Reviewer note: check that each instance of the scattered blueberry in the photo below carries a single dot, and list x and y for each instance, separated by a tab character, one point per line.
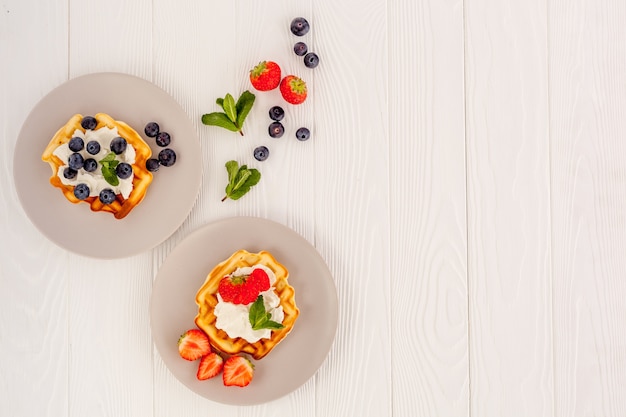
152	129
311	60
277	113
107	196
93	147
118	145
123	170
75	161
261	153
167	157
276	129
163	139
90	165
152	165
303	134
81	191
89	123
76	144
69	173
299	26
300	48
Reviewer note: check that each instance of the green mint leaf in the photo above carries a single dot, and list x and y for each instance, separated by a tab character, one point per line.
219	119
220	102
243	106
232	167
108	158
230	109
261	319
109	175
251	180
114	164
240	180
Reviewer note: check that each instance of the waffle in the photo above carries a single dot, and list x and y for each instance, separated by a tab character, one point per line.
206	298
142	177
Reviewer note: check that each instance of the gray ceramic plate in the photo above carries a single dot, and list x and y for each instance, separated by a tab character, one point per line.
75	227
297	357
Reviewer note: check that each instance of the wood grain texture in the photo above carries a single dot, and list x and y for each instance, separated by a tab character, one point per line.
33	273
427	209
588	118
508	207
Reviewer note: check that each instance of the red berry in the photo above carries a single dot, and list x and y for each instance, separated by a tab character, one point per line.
265	76
193	344
238	371
293	89
210	365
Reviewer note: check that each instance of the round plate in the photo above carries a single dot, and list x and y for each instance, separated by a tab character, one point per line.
75	227
297	357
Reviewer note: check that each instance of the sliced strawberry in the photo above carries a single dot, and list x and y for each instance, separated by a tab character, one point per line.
210	365
193	344
238	371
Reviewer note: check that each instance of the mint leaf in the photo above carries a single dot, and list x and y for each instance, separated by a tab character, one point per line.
232	167
219	119
261	319
240	180
109	175
108	158
230	109
220	102
243	106
250	181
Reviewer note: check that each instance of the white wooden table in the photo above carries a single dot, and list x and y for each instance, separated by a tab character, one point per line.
465	183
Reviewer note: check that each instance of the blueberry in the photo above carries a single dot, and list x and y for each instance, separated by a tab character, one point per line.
167	157
277	113
81	191
118	145
93	147
163	139
107	196
123	170
89	123
90	165
300	48
261	153
311	60
152	165
69	173
299	26
151	129
276	129
303	134
76	144
75	161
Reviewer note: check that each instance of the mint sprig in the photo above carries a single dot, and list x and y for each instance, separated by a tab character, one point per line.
109	163
240	180
261	319
234	113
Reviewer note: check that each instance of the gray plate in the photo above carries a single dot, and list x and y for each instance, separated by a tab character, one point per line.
297	357
75	227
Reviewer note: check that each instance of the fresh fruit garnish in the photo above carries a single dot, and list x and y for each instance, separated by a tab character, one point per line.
118	145
238	371
300	48
193	344
152	129
243	289
89	123
260	318
299	26
167	157
90	165
311	60
276	129
210	365
123	170
260	279
152	165
277	113
303	134
240	180
75	161
107	196
69	173
234	113
76	144
109	163
265	76
293	89
81	191
163	139
93	147
261	153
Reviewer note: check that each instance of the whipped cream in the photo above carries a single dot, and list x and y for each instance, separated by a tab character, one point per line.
95	180
234	318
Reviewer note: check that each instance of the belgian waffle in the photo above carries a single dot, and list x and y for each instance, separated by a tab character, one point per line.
206	298
141	179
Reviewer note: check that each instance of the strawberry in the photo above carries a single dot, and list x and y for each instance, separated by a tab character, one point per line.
242	289
238	371
260	280
193	344
293	89
210	365
265	76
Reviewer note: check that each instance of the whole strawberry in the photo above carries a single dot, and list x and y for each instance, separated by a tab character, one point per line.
293	89
265	76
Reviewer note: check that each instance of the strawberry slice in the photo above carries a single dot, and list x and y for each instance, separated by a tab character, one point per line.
193	344
238	371
210	366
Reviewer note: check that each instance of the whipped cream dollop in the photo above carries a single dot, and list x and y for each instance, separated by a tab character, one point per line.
95	180
234	318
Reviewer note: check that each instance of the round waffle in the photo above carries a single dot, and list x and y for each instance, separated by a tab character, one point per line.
206	298
142	178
